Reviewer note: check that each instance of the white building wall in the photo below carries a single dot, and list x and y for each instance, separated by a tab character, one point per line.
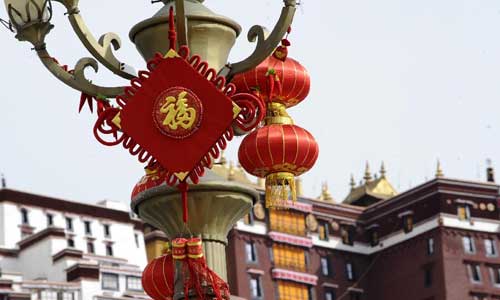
121	238
2	225
12	232
34	263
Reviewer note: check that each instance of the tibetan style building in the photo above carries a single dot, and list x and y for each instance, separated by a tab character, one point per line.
438	240
55	249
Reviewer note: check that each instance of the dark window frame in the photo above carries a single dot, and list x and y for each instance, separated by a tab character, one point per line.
110	275
87	227
253	252
25	219
50	219
69	224
135	278
260	291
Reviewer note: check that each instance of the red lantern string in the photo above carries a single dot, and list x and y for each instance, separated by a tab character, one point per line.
183	188
172	34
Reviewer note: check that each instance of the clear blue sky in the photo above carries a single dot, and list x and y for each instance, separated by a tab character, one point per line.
402	81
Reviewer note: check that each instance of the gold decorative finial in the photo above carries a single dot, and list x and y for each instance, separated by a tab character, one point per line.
325	193
382	170
353	182
298	187
368	175
439	170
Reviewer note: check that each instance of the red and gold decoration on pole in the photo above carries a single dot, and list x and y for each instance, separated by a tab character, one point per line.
280	150
158	277
178	103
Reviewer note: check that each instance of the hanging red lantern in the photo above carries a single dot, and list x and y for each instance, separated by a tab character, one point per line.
279	152
158	278
292	82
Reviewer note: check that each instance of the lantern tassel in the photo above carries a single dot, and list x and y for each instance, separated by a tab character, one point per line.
280	187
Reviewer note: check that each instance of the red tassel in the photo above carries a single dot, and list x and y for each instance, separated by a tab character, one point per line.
183	188
200	275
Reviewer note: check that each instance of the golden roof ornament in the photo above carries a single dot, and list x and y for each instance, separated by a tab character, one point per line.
382	170
298	186
353	182
325	193
439	170
368	175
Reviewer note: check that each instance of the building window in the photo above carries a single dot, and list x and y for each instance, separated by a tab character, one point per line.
287	221
430	246
90	247
292	291
256	287
24	216
374	238
134	283
325	266
355	295
330	294
69	224
48	295
66	296
136	239
428	277
490	247
474	273
468	244
289	257
463	212
349	269
495	276
107	230
347	234
88	227
50	220
109	250
110	281
407	223
250	252
323	231
71	243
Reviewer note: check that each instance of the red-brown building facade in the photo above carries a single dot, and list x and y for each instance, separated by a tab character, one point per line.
438	240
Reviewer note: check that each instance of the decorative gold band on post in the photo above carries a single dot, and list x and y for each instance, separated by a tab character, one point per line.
195	248
179	248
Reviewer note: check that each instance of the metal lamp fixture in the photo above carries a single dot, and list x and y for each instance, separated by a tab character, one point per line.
208	34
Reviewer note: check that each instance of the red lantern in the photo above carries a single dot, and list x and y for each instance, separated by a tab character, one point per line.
158	278
278	152
292	82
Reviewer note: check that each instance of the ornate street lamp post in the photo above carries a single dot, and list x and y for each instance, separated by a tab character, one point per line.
207	34
214	205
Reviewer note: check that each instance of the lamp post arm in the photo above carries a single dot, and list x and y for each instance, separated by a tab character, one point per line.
76	78
265	43
102	49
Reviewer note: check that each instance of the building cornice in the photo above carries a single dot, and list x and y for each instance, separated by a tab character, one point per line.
60	205
65	253
41	235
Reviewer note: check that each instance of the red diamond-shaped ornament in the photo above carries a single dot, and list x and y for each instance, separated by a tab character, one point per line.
177	115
